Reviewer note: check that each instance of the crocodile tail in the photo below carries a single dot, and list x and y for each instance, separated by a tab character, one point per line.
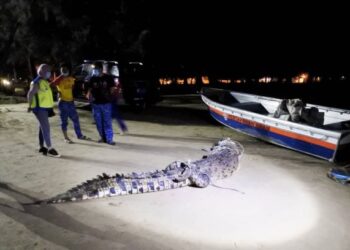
109	186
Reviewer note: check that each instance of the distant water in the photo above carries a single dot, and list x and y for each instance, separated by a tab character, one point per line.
330	94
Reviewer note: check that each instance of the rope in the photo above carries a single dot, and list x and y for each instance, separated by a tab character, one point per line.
227	188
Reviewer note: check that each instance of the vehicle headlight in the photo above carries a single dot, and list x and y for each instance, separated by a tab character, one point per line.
5	82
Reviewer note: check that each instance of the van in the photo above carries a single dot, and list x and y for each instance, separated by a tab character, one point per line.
134	84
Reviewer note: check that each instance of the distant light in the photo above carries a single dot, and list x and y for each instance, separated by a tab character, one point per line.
266	79
205	80
302	78
180	81
191	80
137	63
5	82
342	78
238	81
304	75
274	79
165	81
224	81
316	79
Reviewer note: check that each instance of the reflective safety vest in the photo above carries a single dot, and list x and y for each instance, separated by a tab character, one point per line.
44	95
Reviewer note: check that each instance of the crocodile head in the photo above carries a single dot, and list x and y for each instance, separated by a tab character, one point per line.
236	148
221	161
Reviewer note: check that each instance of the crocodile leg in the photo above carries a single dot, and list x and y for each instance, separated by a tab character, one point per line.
200	180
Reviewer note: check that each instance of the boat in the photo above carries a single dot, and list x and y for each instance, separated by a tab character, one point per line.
255	115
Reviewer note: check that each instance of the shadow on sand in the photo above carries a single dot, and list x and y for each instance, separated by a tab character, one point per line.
51	224
180	110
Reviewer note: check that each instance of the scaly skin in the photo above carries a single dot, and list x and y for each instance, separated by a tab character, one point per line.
221	162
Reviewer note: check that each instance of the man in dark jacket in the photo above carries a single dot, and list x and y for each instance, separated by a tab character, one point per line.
100	89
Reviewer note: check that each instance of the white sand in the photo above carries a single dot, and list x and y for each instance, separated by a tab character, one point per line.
288	202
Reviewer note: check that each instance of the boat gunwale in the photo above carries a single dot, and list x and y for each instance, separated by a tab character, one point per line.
268	98
290	124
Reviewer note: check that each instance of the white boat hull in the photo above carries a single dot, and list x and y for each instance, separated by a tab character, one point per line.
322	143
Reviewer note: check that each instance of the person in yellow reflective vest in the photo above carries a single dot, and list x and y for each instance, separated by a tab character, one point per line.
40	101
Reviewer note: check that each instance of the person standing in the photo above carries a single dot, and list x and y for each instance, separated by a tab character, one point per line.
100	88
66	106
40	101
115	110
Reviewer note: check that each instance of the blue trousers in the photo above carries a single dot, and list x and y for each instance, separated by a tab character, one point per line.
44	127
67	110
116	115
103	118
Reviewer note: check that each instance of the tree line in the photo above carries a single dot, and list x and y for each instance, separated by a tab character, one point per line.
54	31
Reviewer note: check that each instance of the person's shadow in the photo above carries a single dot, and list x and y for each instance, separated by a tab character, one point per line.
51	224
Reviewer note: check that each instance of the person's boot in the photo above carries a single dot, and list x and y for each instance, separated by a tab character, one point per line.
43	150
53	153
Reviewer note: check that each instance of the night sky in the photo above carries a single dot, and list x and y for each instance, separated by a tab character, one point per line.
245	38
253	38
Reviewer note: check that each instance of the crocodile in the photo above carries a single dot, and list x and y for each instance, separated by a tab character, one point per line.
221	161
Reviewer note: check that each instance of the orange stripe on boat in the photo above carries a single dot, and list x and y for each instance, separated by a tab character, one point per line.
275	130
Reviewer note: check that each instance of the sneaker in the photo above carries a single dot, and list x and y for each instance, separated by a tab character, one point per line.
43	150
69	141
53	153
111	143
101	140
83	137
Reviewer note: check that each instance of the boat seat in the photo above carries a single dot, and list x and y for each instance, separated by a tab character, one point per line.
252	106
338	125
222	97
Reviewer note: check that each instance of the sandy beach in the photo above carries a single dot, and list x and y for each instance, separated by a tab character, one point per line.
279	199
